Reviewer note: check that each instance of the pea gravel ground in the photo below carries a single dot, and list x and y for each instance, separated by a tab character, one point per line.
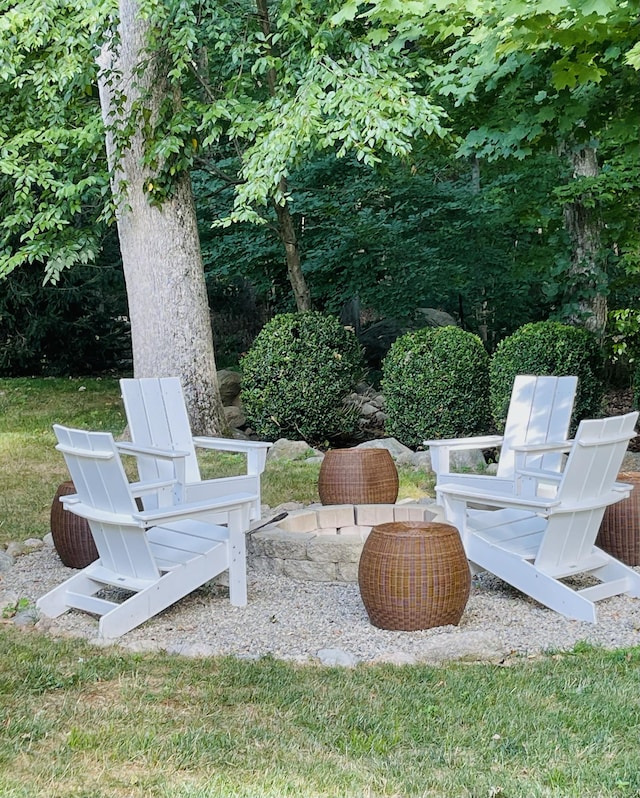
327	622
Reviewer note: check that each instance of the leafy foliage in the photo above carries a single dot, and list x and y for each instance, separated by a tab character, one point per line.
548	348
519	78
53	177
624	328
295	376
75	328
436	383
405	236
277	92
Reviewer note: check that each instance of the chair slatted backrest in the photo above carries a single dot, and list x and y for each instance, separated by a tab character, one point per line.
539	412
587	484
157	416
103	489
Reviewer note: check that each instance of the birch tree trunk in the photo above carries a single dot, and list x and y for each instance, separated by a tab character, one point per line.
583	224
164	274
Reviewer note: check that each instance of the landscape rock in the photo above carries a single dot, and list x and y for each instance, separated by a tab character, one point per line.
235	416
336	656
6	561
432	317
464	646
229	383
467	460
393	446
17	548
284	449
395	658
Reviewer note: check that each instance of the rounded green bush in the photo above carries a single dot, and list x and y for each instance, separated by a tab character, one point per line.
436	383
295	376
636	386
548	348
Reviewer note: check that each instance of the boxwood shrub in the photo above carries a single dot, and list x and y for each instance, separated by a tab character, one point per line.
296	374
548	348
436	385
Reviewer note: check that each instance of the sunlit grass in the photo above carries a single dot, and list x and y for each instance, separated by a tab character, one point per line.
30	467
77	721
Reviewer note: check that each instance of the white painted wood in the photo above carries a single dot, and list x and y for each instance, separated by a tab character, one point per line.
157	418
539	412
534	543
159	555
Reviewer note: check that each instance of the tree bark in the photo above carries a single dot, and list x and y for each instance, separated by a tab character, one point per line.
583	224
164	274
287	233
286	225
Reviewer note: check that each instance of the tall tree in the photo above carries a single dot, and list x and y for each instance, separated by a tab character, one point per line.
55	181
187	79
170	322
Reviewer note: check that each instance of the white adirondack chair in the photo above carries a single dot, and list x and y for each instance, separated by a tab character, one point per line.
159	428
540	410
159	556
533	543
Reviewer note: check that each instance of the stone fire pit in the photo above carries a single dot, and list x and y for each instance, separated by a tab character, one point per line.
324	543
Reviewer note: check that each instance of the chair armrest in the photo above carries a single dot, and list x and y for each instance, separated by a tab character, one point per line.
233	501
481	482
541	448
477	442
256	451
540	474
535	505
230	444
126	447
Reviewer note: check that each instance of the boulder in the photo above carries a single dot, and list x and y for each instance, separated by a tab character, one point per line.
235	416
284	449
229	385
432	317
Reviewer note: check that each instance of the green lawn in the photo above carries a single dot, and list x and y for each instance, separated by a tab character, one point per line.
80	722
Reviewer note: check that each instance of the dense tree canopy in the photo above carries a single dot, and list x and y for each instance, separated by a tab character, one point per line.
427	152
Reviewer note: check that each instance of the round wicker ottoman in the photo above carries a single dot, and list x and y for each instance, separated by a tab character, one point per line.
619	533
71	535
414	575
358	476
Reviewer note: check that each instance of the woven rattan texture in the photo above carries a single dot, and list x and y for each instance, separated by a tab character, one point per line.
619	533
414	575
71	534
358	476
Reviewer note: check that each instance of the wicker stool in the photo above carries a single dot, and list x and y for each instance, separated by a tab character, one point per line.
71	535
414	575
619	533
358	476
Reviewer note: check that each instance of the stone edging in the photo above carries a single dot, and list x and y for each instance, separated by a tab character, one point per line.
323	544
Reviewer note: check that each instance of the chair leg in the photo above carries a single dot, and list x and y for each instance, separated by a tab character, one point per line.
55	602
525	577
238	523
169	589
